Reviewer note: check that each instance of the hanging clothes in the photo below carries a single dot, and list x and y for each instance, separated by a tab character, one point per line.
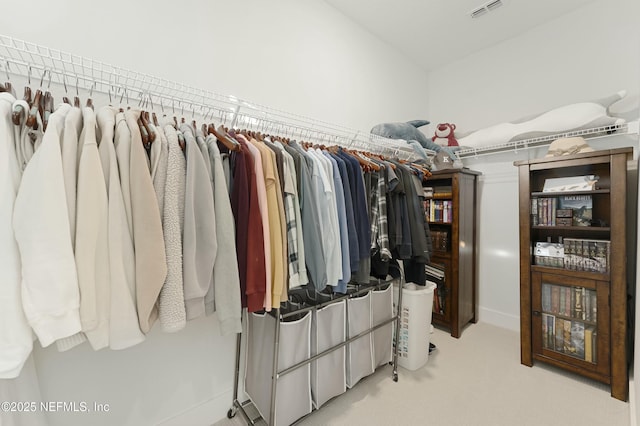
313	244
199	245
92	248
124	328
41	227
226	279
250	240
151	266
16	341
70	158
275	214
341	216
171	307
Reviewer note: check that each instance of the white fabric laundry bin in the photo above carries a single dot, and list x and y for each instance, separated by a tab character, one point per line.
415	324
360	351
328	373
381	311
293	390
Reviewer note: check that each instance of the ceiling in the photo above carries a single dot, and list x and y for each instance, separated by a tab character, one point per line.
433	33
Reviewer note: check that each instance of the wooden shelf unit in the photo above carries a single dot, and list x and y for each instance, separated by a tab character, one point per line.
459	259
602	357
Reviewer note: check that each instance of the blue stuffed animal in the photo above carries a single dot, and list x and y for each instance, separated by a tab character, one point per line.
409	132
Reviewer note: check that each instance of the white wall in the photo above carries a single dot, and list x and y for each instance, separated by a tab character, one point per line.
296	55
587	54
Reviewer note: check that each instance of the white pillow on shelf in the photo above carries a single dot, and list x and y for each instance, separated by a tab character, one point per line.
567	118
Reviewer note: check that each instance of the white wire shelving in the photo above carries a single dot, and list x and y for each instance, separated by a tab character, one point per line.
44	65
628	128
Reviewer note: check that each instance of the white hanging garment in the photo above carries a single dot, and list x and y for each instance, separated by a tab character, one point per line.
50	295
171	307
124	329
16	340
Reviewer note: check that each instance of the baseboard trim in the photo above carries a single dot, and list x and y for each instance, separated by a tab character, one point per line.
204	414
499	319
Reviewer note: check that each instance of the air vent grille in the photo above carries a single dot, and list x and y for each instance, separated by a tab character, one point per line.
493	5
485	8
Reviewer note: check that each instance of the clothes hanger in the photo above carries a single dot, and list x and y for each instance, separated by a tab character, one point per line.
47	105
18	113
181	140
222	136
76	99
89	99
8	86
148	135
65	98
36	106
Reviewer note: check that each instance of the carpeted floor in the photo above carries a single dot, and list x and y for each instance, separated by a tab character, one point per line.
476	380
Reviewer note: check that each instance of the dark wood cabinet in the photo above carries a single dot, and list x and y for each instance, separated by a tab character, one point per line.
450	209
573	281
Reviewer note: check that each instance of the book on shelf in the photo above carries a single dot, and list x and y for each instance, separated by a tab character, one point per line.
571	337
438	210
588	344
559	327
562	300
436	273
546	331
566	345
570	183
556	211
555	299
586	255
549	254
442	191
577	338
440	240
577	309
546	297
581	207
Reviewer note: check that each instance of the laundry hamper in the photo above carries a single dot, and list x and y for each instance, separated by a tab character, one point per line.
293	390
360	351
415	324
381	311
328	373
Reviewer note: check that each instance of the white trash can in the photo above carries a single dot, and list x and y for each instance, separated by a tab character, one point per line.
415	324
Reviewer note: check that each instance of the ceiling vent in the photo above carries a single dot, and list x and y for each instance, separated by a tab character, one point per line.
485	8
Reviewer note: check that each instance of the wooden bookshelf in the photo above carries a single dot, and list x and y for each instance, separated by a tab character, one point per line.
587	297
458	292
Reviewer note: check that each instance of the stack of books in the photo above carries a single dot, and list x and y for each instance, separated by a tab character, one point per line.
565	210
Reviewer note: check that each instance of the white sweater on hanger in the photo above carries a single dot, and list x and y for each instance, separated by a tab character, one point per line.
151	264
16	340
70	159
50	295
171	307
124	329
92	247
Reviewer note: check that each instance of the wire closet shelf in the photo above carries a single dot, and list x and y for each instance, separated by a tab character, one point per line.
628	128
46	65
